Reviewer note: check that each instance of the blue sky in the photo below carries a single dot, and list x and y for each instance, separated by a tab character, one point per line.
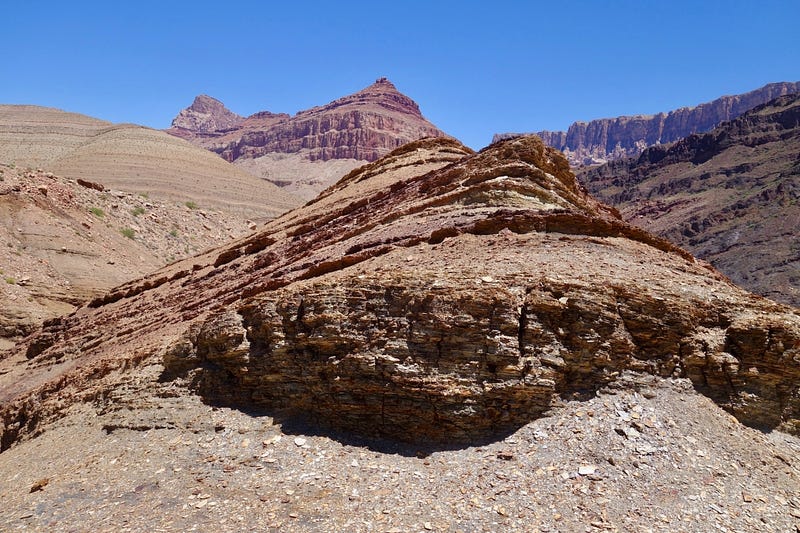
475	68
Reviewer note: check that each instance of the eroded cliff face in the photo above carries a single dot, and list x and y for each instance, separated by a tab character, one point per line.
206	116
602	140
730	196
433	295
337	137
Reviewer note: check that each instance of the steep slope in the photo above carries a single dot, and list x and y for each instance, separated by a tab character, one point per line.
69	242
434	296
133	158
731	196
599	141
207	116
309	151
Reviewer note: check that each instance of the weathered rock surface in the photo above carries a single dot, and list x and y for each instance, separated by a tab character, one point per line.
599	141
434	295
731	196
206	115
341	136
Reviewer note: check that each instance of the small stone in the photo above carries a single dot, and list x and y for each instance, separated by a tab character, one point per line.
293	515
428	526
747	497
587	470
300	441
39	485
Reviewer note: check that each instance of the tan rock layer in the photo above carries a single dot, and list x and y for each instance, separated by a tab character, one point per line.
436	295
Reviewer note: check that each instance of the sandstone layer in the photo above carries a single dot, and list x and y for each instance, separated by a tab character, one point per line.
322	143
602	140
434	295
133	158
731	196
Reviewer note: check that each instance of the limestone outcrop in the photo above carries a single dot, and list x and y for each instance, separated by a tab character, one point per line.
433	295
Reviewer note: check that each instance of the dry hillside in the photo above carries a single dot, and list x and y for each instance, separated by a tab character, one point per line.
133	158
62	244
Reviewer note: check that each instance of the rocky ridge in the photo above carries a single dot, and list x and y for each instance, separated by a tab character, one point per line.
311	150
730	196
206	115
434	295
602	140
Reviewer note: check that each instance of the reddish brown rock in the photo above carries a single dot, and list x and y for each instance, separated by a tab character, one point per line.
206	115
598	141
730	196
433	295
338	136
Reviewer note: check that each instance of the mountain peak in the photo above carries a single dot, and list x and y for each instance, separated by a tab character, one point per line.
206	115
204	103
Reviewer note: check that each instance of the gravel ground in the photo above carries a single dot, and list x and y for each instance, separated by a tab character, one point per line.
660	459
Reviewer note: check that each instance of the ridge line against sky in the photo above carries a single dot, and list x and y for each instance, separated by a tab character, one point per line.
475	68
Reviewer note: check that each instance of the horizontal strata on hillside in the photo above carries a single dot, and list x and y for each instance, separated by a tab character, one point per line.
607	139
433	295
133	158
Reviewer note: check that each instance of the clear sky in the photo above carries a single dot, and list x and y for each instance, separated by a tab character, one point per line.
475	68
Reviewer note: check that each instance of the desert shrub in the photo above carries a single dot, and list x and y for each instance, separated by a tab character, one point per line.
10	280
96	211
191	205
128	232
137	211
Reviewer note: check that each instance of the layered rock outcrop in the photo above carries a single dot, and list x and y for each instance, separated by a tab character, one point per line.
598	141
338	136
433	295
206	115
730	196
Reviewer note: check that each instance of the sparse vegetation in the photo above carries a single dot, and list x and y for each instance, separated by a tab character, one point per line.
191	205
128	232
137	211
144	195
173	233
96	211
10	280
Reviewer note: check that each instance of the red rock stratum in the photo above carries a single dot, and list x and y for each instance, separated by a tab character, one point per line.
433	295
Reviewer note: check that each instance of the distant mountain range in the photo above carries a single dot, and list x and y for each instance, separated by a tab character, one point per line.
309	151
730	196
599	141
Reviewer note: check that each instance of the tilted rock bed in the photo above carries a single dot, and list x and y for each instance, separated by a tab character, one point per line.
436	296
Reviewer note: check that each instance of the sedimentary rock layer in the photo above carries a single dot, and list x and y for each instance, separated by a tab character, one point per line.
433	295
731	196
598	141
